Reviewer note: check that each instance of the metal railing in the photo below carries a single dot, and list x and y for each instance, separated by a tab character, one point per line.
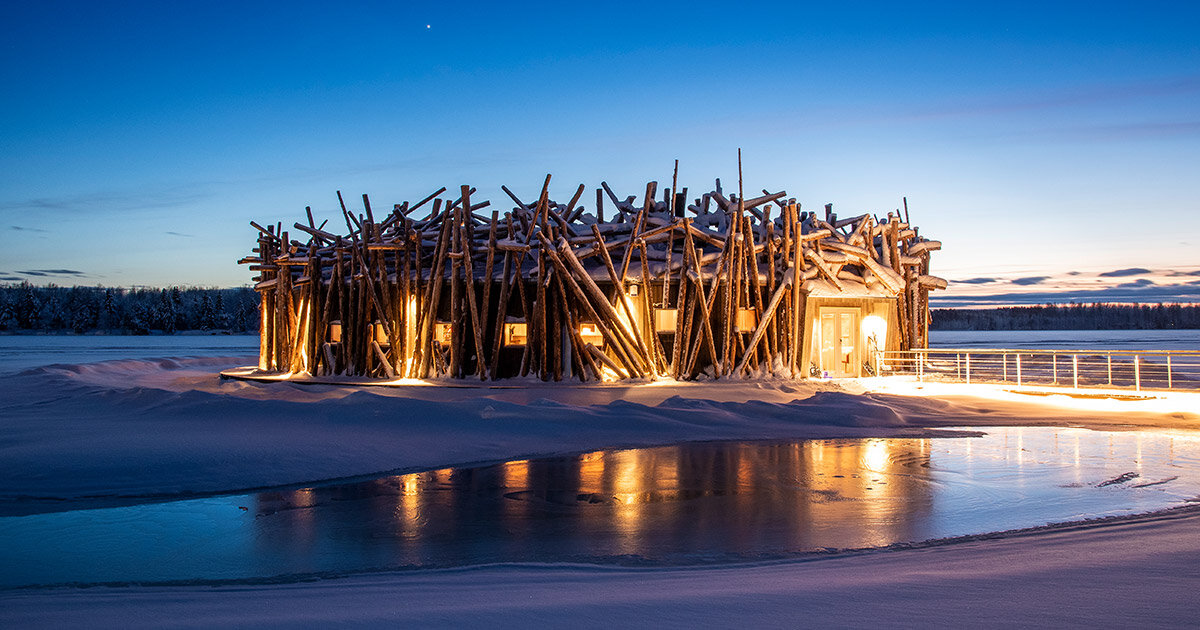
1110	369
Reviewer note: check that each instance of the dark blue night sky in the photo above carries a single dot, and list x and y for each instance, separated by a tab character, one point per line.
140	137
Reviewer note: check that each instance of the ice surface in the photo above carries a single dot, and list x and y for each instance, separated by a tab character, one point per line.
1067	339
687	504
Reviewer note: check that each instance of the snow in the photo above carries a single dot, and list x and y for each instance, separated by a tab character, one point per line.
86	435
139	427
1134	573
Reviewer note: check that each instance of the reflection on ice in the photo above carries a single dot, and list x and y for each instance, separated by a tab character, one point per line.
689	503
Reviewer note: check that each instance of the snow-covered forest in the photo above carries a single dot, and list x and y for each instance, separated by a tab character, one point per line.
1069	317
138	311
28	308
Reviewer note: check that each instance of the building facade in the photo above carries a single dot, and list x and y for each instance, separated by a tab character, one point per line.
723	287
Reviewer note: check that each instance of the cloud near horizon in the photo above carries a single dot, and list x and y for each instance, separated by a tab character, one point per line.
50	272
110	201
1030	280
1120	273
1141	291
1140	282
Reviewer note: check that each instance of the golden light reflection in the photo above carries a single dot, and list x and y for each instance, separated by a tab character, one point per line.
875	456
842	493
591	473
515	474
677	501
877	483
305	497
408	503
628	480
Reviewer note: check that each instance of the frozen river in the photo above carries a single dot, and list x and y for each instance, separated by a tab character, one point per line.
1067	339
695	503
21	352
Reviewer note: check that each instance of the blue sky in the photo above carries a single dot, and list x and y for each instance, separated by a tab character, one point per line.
1046	144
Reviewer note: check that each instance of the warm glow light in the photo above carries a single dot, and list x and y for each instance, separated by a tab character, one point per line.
516	473
516	333
627	483
262	354
306	317
875	458
1099	399
665	320
590	333
410	334
746	320
442	333
408	503
874	327
304	497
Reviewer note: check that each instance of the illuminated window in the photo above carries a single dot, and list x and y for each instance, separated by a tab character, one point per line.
665	320
516	334
335	331
590	333
874	330
441	333
746	321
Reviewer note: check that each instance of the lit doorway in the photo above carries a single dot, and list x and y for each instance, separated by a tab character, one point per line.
837	336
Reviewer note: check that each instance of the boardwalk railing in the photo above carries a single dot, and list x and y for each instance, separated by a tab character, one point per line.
1112	369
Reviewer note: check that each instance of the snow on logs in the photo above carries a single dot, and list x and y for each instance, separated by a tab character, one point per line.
661	288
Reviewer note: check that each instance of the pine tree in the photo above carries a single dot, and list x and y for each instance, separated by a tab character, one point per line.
206	314
29	308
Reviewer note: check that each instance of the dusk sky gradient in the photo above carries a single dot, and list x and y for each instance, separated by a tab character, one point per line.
1047	145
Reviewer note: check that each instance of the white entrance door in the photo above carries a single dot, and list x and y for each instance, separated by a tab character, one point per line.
838	334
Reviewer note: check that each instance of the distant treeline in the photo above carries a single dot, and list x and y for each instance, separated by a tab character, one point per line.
24	307
1069	317
28	308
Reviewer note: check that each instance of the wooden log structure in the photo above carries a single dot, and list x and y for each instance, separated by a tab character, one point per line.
724	287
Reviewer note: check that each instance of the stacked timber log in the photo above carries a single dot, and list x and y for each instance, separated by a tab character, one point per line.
659	288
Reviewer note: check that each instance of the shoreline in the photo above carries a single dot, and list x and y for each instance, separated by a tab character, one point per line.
1048	576
1178	512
